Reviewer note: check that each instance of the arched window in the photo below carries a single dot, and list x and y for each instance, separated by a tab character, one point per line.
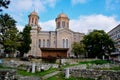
43	42
48	43
67	43
36	21
58	25
63	43
67	24
63	24
32	20
39	42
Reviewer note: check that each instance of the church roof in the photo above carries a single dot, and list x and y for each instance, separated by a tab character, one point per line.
34	13
62	15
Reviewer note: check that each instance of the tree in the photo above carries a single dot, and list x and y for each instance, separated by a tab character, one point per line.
8	33
25	41
6	22
78	49
10	42
4	3
98	43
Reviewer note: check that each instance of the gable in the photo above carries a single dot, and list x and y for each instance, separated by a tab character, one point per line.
65	31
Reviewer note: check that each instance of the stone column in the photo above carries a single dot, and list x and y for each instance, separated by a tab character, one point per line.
103	57
62	61
7	55
67	74
38	68
33	68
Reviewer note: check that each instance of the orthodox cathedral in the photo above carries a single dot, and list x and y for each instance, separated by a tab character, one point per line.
52	43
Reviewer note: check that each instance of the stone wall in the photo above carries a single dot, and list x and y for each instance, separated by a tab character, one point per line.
96	74
75	61
24	65
103	66
10	74
7	74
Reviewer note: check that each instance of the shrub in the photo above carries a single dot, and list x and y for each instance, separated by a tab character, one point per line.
49	59
30	56
24	59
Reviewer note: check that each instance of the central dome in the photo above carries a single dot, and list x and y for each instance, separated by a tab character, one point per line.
62	15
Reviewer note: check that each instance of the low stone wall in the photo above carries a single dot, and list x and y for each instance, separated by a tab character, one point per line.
7	74
74	61
107	66
25	65
96	74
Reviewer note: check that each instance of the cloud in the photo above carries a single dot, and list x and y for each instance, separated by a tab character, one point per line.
112	4
51	3
101	22
74	2
85	23
48	25
21	5
18	9
20	27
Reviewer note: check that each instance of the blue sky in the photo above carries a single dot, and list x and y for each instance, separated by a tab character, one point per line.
84	14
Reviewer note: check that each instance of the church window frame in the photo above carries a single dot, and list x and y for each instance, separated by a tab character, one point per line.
43	42
32	20
58	24
35	21
63	43
67	43
48	43
67	24
63	24
39	42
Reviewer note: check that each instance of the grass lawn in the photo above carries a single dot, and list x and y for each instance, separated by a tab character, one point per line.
42	73
94	62
60	76
113	68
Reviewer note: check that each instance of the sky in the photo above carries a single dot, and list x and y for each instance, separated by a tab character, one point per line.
84	15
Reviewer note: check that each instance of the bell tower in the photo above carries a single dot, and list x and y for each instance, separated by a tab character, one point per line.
62	21
35	29
33	21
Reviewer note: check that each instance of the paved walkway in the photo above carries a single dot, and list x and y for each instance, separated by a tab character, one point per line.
50	75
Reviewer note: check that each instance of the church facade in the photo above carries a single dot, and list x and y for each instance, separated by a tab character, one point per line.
52	43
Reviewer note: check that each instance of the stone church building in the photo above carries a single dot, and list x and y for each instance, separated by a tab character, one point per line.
52	43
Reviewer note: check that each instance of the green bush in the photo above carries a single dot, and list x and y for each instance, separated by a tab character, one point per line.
49	59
